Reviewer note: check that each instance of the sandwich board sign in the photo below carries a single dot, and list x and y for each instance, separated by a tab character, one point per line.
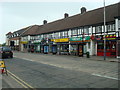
3	67
2	64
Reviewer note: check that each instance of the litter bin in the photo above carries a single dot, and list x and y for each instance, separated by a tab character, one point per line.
88	54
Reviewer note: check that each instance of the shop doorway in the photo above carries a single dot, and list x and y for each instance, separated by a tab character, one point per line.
80	50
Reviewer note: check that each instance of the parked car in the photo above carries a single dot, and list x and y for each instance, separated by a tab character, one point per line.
5	52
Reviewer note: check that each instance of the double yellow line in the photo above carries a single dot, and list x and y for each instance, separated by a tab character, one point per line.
20	81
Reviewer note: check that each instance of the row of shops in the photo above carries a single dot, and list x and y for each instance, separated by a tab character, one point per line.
72	35
75	45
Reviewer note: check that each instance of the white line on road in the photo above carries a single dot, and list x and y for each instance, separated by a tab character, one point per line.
105	76
25	59
14	56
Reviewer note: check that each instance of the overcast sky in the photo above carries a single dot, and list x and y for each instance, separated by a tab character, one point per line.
17	15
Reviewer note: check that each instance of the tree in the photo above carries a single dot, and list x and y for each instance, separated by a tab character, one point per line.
4	44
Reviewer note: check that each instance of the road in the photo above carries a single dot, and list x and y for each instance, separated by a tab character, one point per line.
28	70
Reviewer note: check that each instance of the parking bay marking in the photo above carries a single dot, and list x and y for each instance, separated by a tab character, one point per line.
20	81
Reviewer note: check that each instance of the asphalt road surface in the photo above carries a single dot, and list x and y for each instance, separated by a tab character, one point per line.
26	73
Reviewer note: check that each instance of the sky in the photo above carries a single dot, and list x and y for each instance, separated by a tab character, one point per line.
17	14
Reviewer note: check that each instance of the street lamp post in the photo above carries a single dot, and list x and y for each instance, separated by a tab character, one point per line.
104	33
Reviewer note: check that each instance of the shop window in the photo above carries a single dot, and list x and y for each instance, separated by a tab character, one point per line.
25	45
64	48
100	45
107	46
113	46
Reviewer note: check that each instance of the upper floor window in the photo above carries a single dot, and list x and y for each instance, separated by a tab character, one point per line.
86	30
45	36
113	27
98	29
119	24
80	31
110	27
65	34
74	32
50	36
61	34
56	35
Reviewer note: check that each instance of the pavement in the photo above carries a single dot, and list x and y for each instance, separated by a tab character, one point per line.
101	58
97	58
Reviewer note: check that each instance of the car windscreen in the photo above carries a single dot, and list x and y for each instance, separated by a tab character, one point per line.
6	49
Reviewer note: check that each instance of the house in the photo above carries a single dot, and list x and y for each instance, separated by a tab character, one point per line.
27	38
13	39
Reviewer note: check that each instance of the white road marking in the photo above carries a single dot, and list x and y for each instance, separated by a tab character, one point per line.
25	59
14	56
105	76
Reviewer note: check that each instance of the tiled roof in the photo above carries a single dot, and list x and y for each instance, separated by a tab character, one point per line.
31	30
89	18
9	33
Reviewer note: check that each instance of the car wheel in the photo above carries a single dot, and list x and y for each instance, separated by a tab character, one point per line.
3	57
11	56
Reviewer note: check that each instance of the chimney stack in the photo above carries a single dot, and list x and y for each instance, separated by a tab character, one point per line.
66	15
83	10
45	22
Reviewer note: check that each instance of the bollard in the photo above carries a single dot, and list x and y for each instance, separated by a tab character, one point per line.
88	54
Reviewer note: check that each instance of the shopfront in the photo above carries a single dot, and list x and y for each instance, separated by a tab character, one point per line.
62	45
54	49
111	42
45	49
118	48
37	47
24	46
78	45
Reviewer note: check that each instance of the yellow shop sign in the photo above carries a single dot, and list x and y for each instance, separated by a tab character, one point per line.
24	42
60	40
